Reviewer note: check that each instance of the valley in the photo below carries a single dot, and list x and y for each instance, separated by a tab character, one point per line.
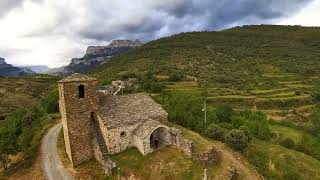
261	90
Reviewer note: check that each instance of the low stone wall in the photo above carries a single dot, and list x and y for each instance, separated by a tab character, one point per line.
208	158
180	142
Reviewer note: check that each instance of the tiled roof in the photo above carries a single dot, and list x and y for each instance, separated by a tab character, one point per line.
129	109
77	77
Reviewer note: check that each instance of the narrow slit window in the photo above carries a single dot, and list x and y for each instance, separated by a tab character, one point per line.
81	91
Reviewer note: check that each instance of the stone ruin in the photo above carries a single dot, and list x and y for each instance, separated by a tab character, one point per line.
97	125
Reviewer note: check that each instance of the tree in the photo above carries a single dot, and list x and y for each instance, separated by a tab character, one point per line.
224	113
8	146
216	132
257	124
51	102
237	139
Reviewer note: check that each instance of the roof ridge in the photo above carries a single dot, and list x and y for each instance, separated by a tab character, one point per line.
77	77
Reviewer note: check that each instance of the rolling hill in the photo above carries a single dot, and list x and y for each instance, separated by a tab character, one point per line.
237	57
270	68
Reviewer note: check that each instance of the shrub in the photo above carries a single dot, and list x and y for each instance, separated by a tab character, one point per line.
21	132
246	131
237	139
297	93
51	102
175	77
257	124
224	113
288	143
216	132
316	96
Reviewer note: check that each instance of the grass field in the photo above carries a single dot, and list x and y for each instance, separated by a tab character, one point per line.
276	162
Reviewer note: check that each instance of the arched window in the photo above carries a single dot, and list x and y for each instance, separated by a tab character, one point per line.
81	91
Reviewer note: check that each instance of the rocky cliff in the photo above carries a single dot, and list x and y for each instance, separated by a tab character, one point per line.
96	55
7	70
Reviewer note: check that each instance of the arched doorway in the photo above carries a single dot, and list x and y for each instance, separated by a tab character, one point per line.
158	138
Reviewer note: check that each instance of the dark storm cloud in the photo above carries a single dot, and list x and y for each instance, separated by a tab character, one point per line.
104	20
169	17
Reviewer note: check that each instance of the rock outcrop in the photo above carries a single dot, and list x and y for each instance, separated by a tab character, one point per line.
96	55
2	61
7	70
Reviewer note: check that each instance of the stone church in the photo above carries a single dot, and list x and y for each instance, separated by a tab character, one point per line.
98	125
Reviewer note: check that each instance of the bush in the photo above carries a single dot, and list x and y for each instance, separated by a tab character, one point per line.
175	77
51	102
150	84
21	132
216	132
288	143
257	124
224	113
297	93
316	97
246	131
237	139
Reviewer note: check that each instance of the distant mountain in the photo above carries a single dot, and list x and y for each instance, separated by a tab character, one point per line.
39	69
7	70
96	55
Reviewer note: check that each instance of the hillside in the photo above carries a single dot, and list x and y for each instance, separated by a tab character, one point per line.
237	57
240	72
7	70
23	92
270	68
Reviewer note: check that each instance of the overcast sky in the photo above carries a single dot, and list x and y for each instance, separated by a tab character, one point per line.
51	32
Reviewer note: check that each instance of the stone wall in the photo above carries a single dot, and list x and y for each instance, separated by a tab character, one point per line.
106	162
64	122
180	142
120	138
76	119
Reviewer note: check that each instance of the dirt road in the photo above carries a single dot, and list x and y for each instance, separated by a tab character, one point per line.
51	164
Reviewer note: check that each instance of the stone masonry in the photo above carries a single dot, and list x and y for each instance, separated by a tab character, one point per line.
76	113
96	125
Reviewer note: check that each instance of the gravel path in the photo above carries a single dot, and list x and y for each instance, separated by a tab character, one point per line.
51	164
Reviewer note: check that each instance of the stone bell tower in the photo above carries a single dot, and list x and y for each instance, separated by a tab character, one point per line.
78	104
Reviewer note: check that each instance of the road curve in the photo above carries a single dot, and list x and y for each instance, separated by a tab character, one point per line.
51	165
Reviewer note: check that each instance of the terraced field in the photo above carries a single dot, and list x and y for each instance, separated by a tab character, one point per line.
291	95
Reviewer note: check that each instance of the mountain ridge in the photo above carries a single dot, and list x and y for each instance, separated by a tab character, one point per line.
7	70
96	55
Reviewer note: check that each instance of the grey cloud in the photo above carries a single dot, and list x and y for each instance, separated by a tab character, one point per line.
106	20
7	5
